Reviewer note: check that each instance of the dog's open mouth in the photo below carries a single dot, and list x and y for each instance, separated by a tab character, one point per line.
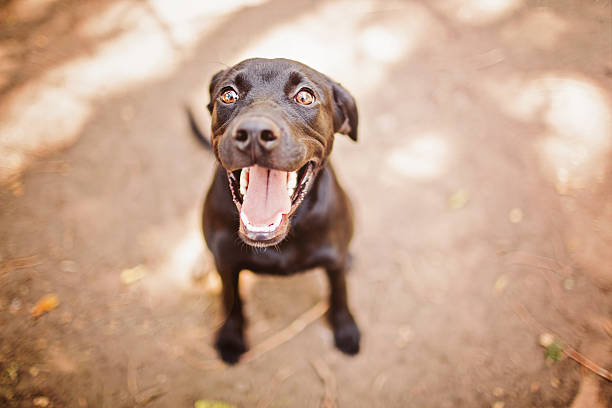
265	199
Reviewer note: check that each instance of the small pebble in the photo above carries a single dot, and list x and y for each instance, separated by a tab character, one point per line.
41	402
546	339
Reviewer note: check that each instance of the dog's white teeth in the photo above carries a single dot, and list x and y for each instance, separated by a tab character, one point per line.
277	221
244	219
244	182
261	228
291	183
292	180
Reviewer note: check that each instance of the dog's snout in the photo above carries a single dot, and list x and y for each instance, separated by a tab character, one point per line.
256	130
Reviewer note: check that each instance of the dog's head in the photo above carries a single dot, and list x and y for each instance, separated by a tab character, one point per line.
273	126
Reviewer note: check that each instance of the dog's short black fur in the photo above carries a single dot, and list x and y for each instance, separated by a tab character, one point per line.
279	114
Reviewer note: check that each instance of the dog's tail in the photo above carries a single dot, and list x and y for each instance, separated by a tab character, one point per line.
195	129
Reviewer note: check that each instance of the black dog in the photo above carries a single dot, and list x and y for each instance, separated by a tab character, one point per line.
273	125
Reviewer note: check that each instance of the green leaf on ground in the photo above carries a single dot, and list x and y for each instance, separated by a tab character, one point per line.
458	199
554	351
132	275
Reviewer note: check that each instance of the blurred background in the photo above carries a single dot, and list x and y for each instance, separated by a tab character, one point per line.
481	182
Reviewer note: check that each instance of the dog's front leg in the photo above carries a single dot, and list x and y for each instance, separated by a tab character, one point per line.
230	339
346	333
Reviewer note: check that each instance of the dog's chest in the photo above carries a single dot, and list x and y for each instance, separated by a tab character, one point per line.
288	259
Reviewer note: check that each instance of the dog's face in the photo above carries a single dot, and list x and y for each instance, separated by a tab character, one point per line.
273	126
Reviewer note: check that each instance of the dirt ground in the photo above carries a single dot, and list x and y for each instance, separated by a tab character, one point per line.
482	183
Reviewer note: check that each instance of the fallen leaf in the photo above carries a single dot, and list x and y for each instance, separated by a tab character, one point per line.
458	200
12	371
132	275
516	215
212	404
501	283
45	304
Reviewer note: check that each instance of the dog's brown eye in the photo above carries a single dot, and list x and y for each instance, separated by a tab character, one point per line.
229	96
304	97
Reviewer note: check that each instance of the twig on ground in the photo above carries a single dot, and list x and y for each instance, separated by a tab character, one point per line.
585	362
329	381
567	350
148	395
287	333
268	344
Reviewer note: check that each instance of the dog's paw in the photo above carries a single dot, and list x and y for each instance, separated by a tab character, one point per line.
230	343
346	335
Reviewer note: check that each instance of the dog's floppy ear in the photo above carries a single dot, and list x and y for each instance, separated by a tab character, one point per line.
346	117
211	89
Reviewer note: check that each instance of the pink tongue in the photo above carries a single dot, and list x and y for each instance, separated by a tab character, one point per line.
266	196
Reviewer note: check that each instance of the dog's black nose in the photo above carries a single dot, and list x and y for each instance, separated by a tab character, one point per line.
259	130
